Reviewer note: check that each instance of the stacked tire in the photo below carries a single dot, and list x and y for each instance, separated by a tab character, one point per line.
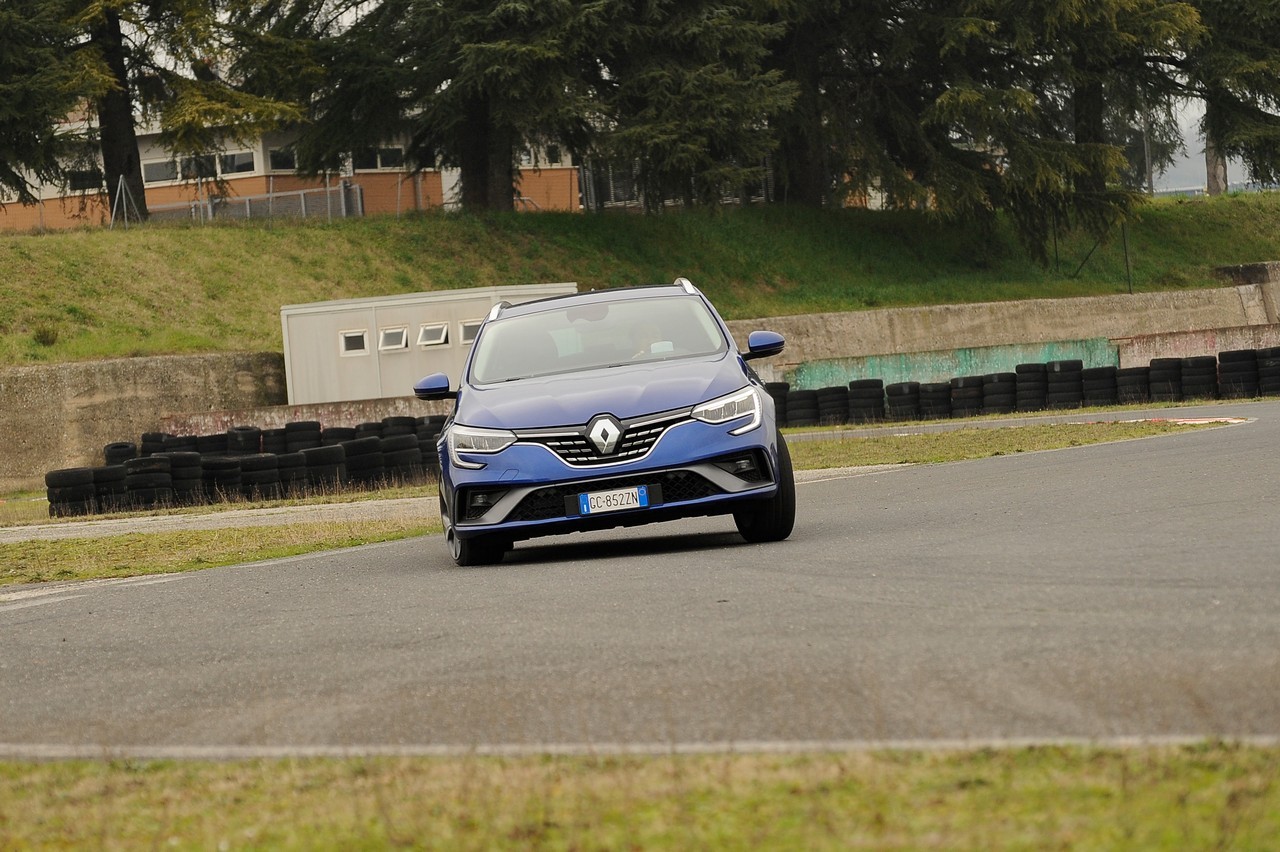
108	483
833	405
1031	387
402	456
326	467
802	408
866	401
147	482
302	435
118	452
1200	377
999	393
260	476
1164	379
222	477
966	396
1238	374
244	440
430	427
71	492
186	475
364	461
903	400
292	468
935	400
1064	387
1098	386
1133	385
1269	371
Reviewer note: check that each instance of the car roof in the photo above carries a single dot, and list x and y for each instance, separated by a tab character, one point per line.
680	287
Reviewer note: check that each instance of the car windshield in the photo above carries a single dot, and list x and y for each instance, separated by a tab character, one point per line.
592	335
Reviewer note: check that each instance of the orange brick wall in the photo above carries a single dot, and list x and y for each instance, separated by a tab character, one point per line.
384	193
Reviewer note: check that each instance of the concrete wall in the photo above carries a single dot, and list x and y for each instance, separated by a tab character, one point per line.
1071	322
62	415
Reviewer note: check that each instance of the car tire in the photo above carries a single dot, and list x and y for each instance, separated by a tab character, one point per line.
467	552
774	518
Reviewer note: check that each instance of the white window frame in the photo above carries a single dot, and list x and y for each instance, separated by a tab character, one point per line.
433	334
468	329
352	334
393	338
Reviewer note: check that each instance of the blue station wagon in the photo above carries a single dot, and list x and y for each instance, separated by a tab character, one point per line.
611	408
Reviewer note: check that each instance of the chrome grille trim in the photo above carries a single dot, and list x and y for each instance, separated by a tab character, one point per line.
639	436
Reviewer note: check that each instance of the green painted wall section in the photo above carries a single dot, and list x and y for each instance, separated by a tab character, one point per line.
944	365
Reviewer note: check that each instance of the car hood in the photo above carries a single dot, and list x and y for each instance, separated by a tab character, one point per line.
572	399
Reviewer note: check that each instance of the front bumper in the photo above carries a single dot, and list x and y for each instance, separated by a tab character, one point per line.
695	469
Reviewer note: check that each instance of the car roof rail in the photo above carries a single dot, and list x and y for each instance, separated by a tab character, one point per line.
687	285
498	308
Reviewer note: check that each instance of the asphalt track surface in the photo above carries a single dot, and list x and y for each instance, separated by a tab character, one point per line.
1123	592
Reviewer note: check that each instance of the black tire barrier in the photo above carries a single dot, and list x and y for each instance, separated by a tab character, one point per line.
179	444
111	493
1031	386
966	396
372	427
118	451
1200	377
1238	375
802	408
902	400
337	435
1165	380
275	441
71	492
399	425
244	440
1098	386
151	443
833	405
211	445
935	400
1133	385
221	476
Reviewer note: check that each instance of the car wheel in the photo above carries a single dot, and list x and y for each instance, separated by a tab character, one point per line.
774	518
478	550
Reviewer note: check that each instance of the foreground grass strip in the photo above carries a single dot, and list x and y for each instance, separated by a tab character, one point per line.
970	443
136	554
1195	797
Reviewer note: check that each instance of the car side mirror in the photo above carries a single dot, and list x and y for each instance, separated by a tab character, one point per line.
763	344
434	386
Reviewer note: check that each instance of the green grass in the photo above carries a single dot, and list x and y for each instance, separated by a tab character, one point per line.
1209	796
161	289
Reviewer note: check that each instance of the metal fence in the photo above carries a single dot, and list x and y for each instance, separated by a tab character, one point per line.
340	201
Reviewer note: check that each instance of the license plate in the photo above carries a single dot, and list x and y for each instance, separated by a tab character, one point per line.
596	502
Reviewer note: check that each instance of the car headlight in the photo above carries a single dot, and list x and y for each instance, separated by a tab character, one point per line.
469	439
743	403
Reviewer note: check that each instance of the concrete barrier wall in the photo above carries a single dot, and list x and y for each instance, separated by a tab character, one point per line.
62	415
945	364
826	337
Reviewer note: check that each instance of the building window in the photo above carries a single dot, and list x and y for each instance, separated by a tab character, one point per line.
469	329
204	166
371	159
393	339
84	180
159	172
353	342
237	163
433	334
282	160
553	155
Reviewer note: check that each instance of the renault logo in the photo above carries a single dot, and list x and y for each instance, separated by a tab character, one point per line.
604	433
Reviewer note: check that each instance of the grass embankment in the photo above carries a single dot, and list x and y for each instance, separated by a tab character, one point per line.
183	289
140	553
1212	796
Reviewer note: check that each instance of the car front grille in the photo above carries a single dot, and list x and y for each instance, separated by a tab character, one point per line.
576	449
549	503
